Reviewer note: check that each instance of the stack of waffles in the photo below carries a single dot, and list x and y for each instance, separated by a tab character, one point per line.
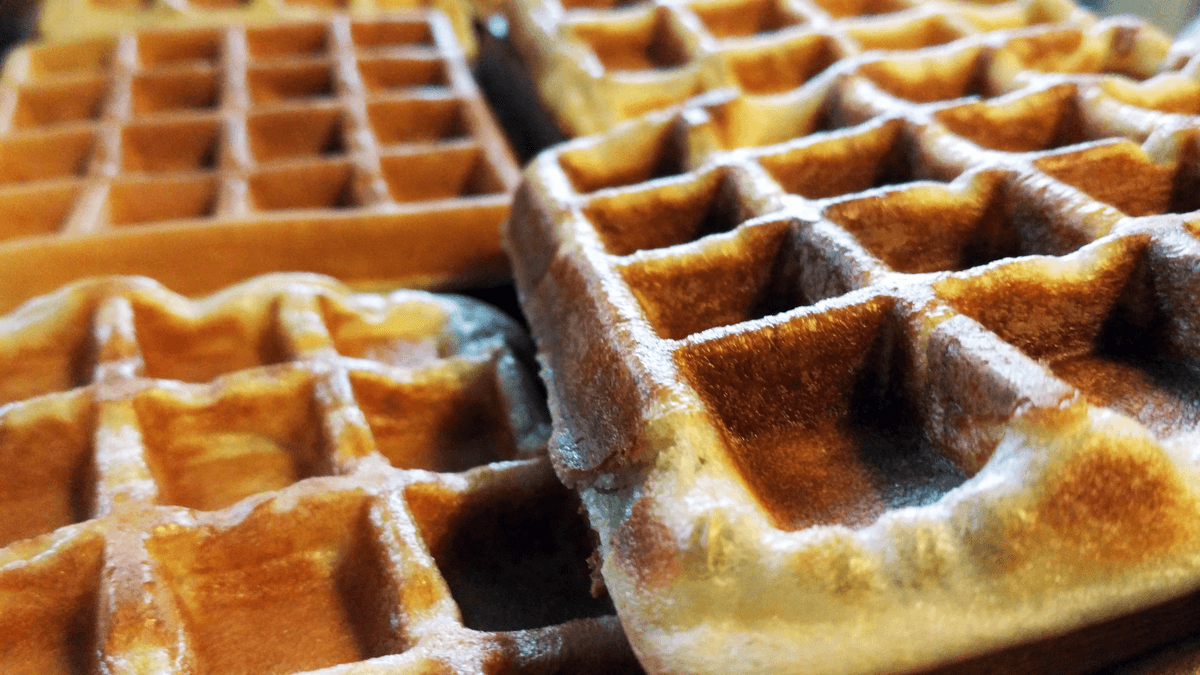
283	477
61	20
895	371
202	156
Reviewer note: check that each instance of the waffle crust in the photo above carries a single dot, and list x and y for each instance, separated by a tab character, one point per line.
64	20
893	372
284	477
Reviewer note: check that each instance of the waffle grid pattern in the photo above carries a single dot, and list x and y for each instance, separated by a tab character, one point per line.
597	64
283	477
356	125
63	20
927	269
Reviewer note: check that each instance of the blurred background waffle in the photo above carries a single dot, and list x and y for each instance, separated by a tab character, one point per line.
283	477
60	20
596	63
895	373
351	147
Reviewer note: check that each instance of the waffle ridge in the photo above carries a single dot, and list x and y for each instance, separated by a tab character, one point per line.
284	477
252	149
64	20
893	372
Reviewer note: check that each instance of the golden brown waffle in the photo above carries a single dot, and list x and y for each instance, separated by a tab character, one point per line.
283	477
356	148
598	63
60	20
898	374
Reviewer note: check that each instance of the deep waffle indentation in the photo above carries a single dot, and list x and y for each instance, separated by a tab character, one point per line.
641	155
844	8
388	73
244	589
40	105
406	337
750	121
1169	93
155	199
285	82
308	39
946	75
175	90
660	215
71	59
904	33
440	421
284	134
418	120
174	146
255	437
1043	120
444	174
786	67
390	33
816	417
513	554
33	210
179	47
1072	51
313	185
200	348
928	228
57	489
853	162
50	622
746	276
744	18
1098	321
43	156
645	42
1144	188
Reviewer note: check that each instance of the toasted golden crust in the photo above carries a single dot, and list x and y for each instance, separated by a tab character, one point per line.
897	368
354	147
283	477
64	20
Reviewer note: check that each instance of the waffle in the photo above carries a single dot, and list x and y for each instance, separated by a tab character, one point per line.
361	149
284	477
597	63
61	20
897	374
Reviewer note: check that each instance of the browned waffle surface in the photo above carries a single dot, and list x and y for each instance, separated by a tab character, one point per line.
599	63
60	20
896	374
358	148
283	477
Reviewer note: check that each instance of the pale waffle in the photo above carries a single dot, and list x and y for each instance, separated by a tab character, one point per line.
599	62
356	148
899	374
60	20
284	477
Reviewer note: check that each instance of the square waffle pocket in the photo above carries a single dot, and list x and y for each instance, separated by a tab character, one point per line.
357	148
284	477
901	377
